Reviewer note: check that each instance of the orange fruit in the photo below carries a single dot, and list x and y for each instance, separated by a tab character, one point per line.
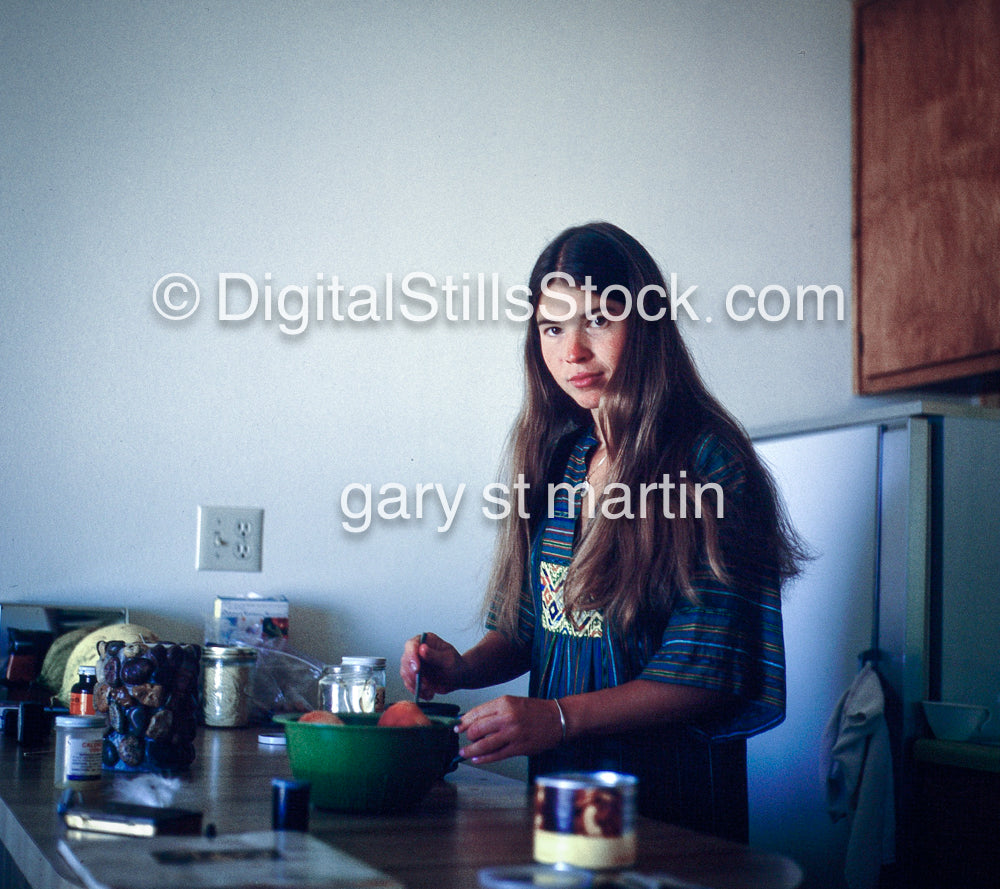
403	714
324	717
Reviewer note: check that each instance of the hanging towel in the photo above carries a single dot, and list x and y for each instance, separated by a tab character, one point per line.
856	770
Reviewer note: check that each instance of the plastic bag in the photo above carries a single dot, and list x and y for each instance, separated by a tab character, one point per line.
285	681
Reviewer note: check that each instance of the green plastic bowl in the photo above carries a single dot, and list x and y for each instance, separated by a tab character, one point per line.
363	767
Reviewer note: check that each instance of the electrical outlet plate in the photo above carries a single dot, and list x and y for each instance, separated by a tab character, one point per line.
229	538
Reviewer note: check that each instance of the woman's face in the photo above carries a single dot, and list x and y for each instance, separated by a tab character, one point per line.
581	345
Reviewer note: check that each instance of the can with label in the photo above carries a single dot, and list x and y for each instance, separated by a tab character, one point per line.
585	819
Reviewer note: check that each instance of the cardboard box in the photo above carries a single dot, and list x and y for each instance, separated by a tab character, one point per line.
248	620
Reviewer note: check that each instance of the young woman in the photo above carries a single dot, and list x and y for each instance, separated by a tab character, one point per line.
642	588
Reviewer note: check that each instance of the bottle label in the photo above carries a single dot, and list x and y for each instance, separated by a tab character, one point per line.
83	759
81	704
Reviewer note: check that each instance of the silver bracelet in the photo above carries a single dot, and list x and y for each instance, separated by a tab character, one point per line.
562	718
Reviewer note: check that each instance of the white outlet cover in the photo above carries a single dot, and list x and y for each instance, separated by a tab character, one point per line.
230	538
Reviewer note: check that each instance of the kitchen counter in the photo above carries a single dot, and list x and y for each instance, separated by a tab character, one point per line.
962	755
472	819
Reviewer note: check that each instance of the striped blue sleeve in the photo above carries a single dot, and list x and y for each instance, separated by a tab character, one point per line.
731	639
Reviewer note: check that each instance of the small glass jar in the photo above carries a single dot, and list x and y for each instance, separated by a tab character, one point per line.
81	695
347	688
227	684
377	665
78	750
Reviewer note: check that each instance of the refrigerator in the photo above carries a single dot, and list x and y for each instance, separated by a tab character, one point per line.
901	513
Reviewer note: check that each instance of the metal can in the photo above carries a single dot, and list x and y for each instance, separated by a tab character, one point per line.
585	819
79	740
377	666
227	684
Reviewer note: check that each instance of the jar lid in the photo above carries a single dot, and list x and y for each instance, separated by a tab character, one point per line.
535	876
376	663
350	669
80	722
229	652
290	784
87	670
587	780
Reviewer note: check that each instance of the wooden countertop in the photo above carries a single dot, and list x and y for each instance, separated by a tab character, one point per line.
472	819
960	754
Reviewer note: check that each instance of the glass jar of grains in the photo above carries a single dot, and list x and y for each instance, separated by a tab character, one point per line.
227	684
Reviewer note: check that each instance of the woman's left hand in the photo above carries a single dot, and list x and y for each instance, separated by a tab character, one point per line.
510	726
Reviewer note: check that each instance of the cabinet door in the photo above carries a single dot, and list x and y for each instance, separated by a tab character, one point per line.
970	564
926	192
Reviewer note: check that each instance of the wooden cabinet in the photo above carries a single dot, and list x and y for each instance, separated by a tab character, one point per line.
956	816
926	193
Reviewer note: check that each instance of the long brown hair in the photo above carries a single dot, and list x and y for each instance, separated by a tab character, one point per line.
654	412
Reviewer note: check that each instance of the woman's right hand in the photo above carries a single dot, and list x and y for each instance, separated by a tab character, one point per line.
438	663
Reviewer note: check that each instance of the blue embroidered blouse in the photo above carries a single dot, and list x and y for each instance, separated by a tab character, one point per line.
729	640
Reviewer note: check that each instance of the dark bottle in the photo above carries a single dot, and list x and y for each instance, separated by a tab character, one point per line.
289	804
81	695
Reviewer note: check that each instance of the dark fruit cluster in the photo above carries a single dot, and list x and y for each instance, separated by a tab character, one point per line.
150	695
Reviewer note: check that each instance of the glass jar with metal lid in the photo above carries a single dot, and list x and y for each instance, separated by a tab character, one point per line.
377	665
227	684
347	688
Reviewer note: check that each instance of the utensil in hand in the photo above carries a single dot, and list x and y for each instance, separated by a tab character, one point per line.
416	689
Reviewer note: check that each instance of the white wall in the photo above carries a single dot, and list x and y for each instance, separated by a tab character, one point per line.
359	140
